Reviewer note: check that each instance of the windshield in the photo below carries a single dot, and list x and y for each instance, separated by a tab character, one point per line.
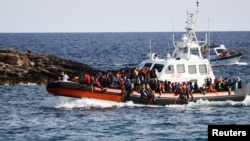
159	67
142	66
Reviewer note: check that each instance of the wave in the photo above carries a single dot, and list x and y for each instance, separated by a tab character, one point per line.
23	84
28	84
240	63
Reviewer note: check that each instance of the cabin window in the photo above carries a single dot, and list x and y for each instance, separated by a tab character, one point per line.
220	50
158	67
170	69
192	69
194	51
180	68
203	68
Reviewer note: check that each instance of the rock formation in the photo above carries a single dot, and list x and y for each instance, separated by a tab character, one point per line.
25	67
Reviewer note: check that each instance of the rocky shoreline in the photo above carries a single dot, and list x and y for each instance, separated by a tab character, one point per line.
25	67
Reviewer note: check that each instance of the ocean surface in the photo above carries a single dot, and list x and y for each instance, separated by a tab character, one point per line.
28	112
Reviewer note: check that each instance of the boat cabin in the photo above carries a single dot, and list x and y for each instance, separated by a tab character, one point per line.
180	70
218	51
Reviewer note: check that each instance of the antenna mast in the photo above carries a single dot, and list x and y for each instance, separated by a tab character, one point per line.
192	19
209	39
150	48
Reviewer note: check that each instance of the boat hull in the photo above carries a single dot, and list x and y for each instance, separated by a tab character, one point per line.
161	101
77	90
220	96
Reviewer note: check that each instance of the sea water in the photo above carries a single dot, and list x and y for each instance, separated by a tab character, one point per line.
29	112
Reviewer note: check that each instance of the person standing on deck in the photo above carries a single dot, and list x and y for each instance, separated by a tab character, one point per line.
178	90
153	86
229	86
159	87
190	90
145	93
184	90
127	71
128	86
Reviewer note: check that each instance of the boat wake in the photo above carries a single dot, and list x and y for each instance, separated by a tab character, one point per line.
240	63
86	103
205	103
74	103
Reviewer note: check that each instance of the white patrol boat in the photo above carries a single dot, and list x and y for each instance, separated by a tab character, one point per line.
186	62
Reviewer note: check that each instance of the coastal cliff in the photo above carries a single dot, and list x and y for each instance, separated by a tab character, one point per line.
25	67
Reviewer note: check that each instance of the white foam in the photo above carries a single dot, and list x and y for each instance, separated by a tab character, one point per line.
240	63
70	103
28	84
86	103
206	103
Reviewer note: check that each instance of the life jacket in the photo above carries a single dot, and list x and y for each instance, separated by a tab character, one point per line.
184	87
127	83
220	85
87	78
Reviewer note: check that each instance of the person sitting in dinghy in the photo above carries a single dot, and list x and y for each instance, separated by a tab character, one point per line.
63	76
75	79
97	83
85	79
128	86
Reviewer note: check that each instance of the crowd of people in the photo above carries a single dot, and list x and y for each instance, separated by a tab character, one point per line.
146	83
